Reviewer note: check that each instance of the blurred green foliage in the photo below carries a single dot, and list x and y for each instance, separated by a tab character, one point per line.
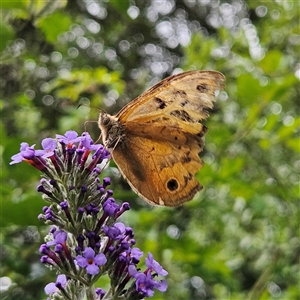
239	239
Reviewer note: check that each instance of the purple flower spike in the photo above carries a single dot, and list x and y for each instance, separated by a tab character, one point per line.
90	261
86	242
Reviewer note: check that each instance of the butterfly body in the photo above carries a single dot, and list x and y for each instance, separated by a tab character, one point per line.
156	138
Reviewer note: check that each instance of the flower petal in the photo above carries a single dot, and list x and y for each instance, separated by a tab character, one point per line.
81	261
92	269
100	259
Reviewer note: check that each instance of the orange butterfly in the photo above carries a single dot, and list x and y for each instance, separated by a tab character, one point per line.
156	138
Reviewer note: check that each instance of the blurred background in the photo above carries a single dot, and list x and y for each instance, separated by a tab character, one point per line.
239	238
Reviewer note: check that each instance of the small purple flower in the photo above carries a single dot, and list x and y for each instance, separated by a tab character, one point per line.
99	155
120	226
110	207
52	287
49	146
112	232
46	260
136	253
90	261
125	206
60	237
25	150
130	255
100	293
106	182
153	265
44	249
87	142
144	284
69	138
31	156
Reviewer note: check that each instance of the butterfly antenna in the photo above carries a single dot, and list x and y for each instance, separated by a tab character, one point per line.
99	138
87	122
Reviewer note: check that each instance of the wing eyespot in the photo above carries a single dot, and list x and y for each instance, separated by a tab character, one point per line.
172	185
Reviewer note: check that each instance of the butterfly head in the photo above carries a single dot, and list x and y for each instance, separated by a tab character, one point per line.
111	129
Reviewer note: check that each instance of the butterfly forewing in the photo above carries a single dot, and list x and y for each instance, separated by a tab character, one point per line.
191	92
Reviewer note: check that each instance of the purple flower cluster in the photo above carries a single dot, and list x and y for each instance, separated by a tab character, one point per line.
86	241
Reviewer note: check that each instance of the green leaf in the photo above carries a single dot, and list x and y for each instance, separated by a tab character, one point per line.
294	144
8	4
198	53
121	6
270	63
13	213
53	25
248	89
6	34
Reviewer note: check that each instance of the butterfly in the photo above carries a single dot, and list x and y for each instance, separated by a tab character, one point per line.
155	139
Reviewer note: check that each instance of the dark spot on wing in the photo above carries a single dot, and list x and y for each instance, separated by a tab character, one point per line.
202	88
157	120
172	185
161	103
182	115
163	165
138	172
181	93
186	158
187	179
184	103
202	132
